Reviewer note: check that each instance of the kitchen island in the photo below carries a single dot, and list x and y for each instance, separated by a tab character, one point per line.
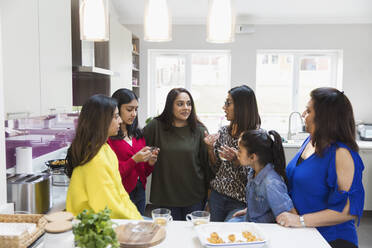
181	234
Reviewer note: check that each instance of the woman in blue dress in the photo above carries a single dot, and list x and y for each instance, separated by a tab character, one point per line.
325	176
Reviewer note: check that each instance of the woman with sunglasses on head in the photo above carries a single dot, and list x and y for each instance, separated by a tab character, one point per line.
92	165
136	160
181	176
228	187
325	176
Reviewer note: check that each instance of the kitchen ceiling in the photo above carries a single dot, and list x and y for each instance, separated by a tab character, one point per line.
258	11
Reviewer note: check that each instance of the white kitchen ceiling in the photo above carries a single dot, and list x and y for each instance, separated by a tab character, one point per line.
258	11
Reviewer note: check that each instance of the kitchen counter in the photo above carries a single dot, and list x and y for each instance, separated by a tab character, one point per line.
182	234
297	144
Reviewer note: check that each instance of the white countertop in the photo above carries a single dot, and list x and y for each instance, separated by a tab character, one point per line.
297	144
182	234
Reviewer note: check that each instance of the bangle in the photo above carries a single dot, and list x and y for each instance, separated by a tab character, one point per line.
302	221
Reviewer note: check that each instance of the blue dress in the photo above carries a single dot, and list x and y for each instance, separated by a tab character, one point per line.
313	187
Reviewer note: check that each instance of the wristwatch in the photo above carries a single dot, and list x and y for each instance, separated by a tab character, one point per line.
302	221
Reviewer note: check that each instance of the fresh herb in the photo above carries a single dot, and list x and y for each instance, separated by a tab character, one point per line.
95	230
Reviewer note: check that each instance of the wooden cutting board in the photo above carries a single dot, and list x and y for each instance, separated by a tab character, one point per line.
140	234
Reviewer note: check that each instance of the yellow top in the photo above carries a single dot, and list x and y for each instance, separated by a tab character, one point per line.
97	184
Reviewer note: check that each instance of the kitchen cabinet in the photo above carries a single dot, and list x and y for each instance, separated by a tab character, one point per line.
366	155
289	153
36	56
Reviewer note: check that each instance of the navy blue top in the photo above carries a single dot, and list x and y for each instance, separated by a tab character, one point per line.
266	195
313	187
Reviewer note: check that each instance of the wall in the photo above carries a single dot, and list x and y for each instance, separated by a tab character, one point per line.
2	137
120	55
354	40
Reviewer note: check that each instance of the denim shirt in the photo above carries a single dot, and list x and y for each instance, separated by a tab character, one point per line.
267	196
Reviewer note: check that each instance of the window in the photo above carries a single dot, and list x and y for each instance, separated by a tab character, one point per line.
284	80
206	74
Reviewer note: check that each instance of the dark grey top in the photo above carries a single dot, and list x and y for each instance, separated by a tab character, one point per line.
180	176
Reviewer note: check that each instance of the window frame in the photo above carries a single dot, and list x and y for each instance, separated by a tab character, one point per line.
336	67
187	53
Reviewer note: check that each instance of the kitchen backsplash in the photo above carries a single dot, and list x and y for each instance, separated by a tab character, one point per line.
44	134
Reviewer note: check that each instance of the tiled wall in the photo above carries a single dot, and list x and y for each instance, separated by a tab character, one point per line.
44	134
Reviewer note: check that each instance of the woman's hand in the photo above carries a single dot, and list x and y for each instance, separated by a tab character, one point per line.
210	139
154	156
228	153
143	155
288	219
240	213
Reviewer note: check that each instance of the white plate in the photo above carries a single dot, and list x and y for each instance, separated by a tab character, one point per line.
225	229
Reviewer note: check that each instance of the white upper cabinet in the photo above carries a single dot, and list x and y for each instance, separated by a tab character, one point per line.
55	55
36	56
21	69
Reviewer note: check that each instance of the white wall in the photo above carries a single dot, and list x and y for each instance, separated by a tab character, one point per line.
120	55
2	131
354	40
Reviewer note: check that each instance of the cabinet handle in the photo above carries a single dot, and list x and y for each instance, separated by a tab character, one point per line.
26	113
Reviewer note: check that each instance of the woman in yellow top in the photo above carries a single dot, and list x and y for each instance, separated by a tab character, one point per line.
93	166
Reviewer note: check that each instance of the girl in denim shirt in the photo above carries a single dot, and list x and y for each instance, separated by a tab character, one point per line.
266	190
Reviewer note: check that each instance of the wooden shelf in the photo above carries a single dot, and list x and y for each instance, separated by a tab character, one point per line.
136	83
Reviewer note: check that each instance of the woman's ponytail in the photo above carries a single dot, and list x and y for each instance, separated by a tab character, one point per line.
278	155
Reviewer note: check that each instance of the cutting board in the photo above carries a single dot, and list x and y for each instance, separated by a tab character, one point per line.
140	234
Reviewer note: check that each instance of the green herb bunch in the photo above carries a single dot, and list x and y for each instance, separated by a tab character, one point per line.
95	230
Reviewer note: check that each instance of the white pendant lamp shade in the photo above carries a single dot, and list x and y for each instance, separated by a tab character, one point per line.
221	21
94	20
157	21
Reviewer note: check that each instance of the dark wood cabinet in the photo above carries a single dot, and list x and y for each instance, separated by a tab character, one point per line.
87	83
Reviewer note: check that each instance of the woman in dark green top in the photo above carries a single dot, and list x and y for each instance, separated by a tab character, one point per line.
180	177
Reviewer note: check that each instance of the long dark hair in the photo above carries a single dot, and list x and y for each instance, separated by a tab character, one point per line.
92	131
167	116
334	119
246	115
267	149
124	96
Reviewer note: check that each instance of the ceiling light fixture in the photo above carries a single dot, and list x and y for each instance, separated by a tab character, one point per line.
157	21
94	20
221	21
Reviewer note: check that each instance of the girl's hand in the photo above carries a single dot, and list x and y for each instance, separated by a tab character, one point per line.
288	219
143	155
154	156
228	153
240	213
210	139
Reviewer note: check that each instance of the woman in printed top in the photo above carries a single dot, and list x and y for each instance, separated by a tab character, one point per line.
136	160
228	187
92	165
266	190
325	176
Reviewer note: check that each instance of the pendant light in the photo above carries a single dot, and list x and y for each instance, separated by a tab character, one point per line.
220	22
94	20
157	21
